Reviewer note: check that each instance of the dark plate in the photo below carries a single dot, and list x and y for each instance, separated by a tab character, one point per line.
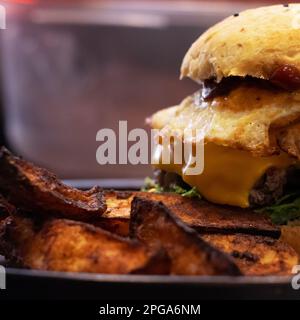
27	284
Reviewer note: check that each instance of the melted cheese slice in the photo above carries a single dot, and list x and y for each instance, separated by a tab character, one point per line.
229	174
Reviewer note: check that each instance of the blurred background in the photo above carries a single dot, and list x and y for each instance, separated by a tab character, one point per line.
70	68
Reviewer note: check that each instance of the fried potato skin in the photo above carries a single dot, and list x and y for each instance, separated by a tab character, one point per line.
118	203
291	235
37	190
116	217
152	223
65	245
36	242
256	255
5	208
117	226
198	214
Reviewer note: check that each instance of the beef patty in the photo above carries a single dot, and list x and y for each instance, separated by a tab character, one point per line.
270	187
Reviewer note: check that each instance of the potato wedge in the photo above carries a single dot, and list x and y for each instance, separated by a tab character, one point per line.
200	215
5	208
256	255
65	245
35	189
291	235
116	217
152	223
117	226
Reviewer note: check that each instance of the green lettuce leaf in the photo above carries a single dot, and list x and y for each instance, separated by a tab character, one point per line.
151	186
284	210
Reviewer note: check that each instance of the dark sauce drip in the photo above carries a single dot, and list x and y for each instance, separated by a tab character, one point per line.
286	77
211	89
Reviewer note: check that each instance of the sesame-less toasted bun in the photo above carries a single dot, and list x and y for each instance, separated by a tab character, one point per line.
255	42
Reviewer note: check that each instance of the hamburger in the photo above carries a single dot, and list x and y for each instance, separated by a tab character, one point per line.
248	104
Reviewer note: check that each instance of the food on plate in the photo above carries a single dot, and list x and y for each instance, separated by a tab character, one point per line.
248	111
66	245
139	233
223	221
200	215
35	189
256	255
291	234
156	226
250	238
5	208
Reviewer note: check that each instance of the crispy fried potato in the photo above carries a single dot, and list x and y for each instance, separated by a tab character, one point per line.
5	208
155	225
116	217
37	190
118	203
117	226
256	255
291	235
65	245
200	215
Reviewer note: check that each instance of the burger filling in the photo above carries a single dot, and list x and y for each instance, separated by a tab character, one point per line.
249	156
285	77
232	176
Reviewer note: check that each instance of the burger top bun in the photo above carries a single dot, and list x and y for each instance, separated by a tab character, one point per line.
254	42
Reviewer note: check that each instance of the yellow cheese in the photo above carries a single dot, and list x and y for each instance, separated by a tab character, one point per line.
229	174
